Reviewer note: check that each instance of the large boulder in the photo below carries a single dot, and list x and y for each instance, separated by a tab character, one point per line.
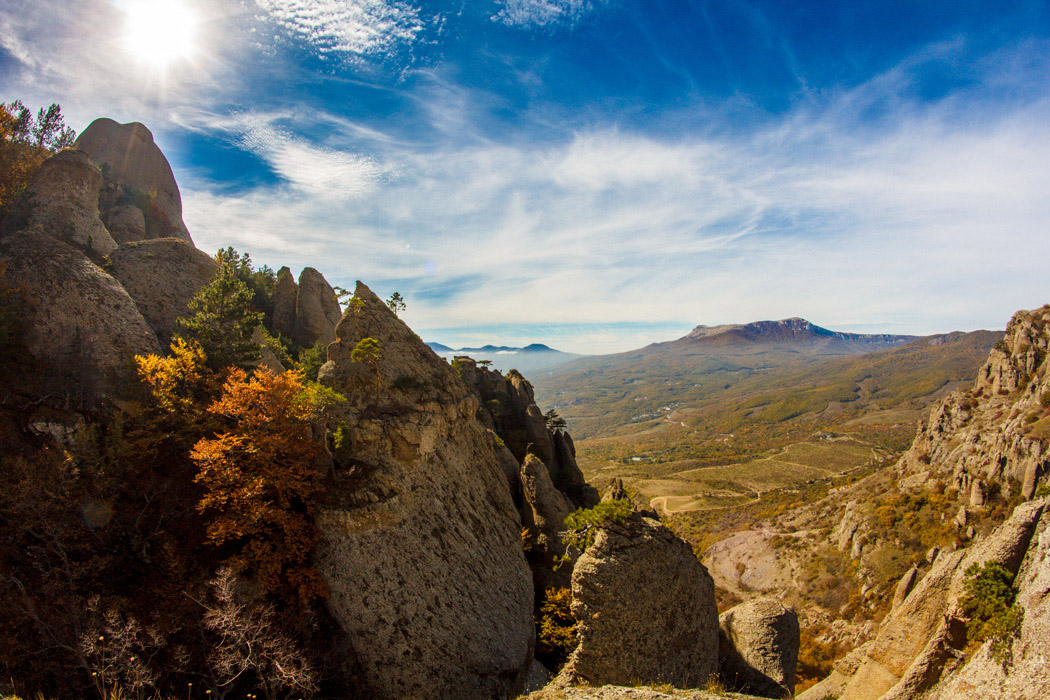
645	609
759	643
131	158
64	202
126	223
316	309
83	328
162	275
420	540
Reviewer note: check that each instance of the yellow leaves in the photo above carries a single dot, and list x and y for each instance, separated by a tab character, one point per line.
259	478
177	382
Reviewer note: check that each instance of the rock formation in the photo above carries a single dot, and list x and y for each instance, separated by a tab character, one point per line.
543	516
306	313
508	407
423	554
83	328
132	160
316	309
64	203
645	609
162	275
758	648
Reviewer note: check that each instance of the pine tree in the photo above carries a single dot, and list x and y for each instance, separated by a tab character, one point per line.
224	320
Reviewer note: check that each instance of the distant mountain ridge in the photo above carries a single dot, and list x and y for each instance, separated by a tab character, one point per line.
534	347
531	359
788	332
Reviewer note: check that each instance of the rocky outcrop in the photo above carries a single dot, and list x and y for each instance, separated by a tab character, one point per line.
162	275
285	294
758	648
1020	672
134	165
645	609
543	516
421	543
64	202
509	408
83	328
126	223
922	634
999	430
307	312
316	309
616	492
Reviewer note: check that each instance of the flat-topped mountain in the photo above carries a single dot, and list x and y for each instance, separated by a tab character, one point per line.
795	333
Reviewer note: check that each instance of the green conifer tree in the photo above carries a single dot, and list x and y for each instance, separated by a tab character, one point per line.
224	320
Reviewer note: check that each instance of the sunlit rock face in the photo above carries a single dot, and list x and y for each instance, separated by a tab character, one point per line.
136	173
421	542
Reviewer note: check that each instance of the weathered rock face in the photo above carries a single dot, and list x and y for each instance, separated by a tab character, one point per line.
131	158
543	515
65	202
616	492
285	294
997	431
84	329
758	648
162	275
421	543
316	309
925	632
645	609
1024	675
126	223
509	408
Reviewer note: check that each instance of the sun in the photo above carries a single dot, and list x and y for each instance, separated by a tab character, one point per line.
158	32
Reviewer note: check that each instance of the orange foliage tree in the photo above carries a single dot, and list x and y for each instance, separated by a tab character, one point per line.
259	478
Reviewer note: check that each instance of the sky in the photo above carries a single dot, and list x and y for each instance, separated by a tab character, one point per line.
595	175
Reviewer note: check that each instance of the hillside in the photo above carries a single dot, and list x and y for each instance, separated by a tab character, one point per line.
728	415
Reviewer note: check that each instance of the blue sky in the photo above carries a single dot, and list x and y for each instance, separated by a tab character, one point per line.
594	174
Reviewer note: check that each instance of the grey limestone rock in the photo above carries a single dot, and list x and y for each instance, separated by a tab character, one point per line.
421	543
64	202
645	609
758	648
132	158
316	309
162	275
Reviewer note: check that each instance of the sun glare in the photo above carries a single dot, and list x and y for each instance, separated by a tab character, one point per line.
158	32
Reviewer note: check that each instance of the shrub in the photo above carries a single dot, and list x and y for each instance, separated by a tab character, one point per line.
583	524
556	634
989	603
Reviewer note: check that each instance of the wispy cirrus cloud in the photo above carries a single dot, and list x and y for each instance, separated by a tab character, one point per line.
545	13
362	27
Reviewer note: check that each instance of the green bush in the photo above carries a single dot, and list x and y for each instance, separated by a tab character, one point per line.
989	603
582	524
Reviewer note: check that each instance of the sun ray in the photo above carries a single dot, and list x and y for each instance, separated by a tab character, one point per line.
159	32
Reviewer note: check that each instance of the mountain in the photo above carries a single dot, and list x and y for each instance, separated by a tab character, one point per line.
791	333
531	359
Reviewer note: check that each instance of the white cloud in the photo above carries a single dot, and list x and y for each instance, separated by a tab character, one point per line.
347	26
925	222
544	13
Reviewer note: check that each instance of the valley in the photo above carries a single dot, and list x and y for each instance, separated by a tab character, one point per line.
714	422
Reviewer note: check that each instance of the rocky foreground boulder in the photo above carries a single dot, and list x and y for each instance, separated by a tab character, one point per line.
645	609
758	648
421	542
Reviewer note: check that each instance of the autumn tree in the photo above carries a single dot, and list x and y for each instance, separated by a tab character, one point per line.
224	319
259	477
24	144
